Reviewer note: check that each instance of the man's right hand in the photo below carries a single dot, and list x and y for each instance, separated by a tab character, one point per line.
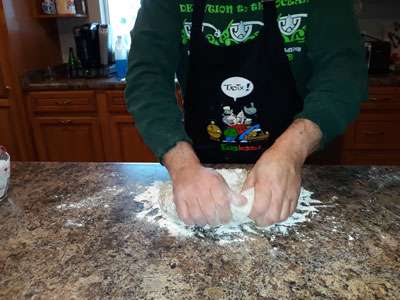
201	195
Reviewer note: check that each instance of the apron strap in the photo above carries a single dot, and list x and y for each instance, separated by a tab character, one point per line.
197	20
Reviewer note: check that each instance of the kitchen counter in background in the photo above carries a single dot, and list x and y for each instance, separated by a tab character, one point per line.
40	81
70	231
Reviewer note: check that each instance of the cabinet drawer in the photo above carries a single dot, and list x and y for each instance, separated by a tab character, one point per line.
116	102
382	98
79	101
371	157
375	135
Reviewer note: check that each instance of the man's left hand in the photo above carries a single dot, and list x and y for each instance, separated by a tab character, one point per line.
276	179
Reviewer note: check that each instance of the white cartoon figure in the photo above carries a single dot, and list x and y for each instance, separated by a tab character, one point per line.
250	110
290	23
240	118
228	117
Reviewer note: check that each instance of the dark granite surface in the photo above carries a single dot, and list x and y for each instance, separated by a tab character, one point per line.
57	80
40	81
69	231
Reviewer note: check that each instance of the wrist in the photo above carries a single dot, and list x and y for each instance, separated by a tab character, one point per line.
181	157
300	140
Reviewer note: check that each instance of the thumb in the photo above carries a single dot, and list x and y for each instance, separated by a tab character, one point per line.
237	199
249	183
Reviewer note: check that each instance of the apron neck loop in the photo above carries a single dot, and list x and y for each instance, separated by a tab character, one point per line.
197	19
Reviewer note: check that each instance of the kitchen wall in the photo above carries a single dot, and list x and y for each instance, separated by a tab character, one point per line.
65	26
376	14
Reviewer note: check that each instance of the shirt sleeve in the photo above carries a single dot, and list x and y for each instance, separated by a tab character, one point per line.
150	91
339	81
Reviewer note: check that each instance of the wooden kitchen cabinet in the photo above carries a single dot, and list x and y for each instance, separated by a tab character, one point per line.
375	137
68	139
128	145
7	132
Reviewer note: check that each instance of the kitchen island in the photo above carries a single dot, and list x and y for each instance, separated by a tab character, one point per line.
70	231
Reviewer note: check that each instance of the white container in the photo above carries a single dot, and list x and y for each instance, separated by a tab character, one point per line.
4	172
66	7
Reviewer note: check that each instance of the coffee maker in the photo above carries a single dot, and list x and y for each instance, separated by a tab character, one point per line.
93	50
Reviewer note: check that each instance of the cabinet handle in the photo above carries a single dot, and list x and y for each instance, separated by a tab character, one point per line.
374	133
63	102
65	122
372	99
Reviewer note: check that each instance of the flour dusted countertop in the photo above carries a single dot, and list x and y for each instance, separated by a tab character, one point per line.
71	231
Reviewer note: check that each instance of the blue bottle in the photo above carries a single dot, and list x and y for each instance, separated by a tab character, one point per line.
121	58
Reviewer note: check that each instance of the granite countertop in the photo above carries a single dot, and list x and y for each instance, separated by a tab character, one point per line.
42	81
71	231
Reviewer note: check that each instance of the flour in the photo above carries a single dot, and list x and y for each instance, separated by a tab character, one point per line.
158	209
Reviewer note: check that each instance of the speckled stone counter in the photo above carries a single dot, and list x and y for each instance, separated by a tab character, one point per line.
69	231
40	81
75	84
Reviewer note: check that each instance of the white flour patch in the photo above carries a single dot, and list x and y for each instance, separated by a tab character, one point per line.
152	213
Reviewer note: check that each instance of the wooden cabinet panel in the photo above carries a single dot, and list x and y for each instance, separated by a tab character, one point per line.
374	135
127	143
382	98
3	89
7	130
68	139
116	102
74	101
371	157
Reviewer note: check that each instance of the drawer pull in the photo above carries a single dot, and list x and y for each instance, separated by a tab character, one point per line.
65	122
64	102
372	99
374	133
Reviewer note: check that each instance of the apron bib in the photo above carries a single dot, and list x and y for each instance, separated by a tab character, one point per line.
240	98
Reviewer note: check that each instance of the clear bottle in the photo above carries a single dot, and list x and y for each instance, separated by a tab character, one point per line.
4	172
121	58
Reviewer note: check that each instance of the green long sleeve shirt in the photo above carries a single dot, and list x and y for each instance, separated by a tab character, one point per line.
321	39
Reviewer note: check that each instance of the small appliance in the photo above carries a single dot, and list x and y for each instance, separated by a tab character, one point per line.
93	50
378	54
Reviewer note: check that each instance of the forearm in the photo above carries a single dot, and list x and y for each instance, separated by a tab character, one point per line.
301	139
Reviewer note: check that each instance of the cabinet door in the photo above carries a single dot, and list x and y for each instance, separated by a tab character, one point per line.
7	131
127	143
68	139
3	88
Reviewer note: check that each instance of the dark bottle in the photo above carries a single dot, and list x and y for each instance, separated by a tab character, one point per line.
72	64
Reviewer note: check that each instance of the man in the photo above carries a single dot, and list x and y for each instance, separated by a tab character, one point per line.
263	82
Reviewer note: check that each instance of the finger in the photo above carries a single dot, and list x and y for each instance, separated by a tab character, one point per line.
274	208
285	211
183	212
249	182
208	209
293	206
261	199
222	209
196	213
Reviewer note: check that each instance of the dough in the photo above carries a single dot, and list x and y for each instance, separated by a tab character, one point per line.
234	178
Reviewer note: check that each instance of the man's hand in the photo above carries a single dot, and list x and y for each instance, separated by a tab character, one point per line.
201	195
276	176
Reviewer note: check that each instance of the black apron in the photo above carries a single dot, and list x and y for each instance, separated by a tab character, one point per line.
239	98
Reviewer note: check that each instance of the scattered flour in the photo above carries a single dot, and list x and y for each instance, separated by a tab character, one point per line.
159	209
